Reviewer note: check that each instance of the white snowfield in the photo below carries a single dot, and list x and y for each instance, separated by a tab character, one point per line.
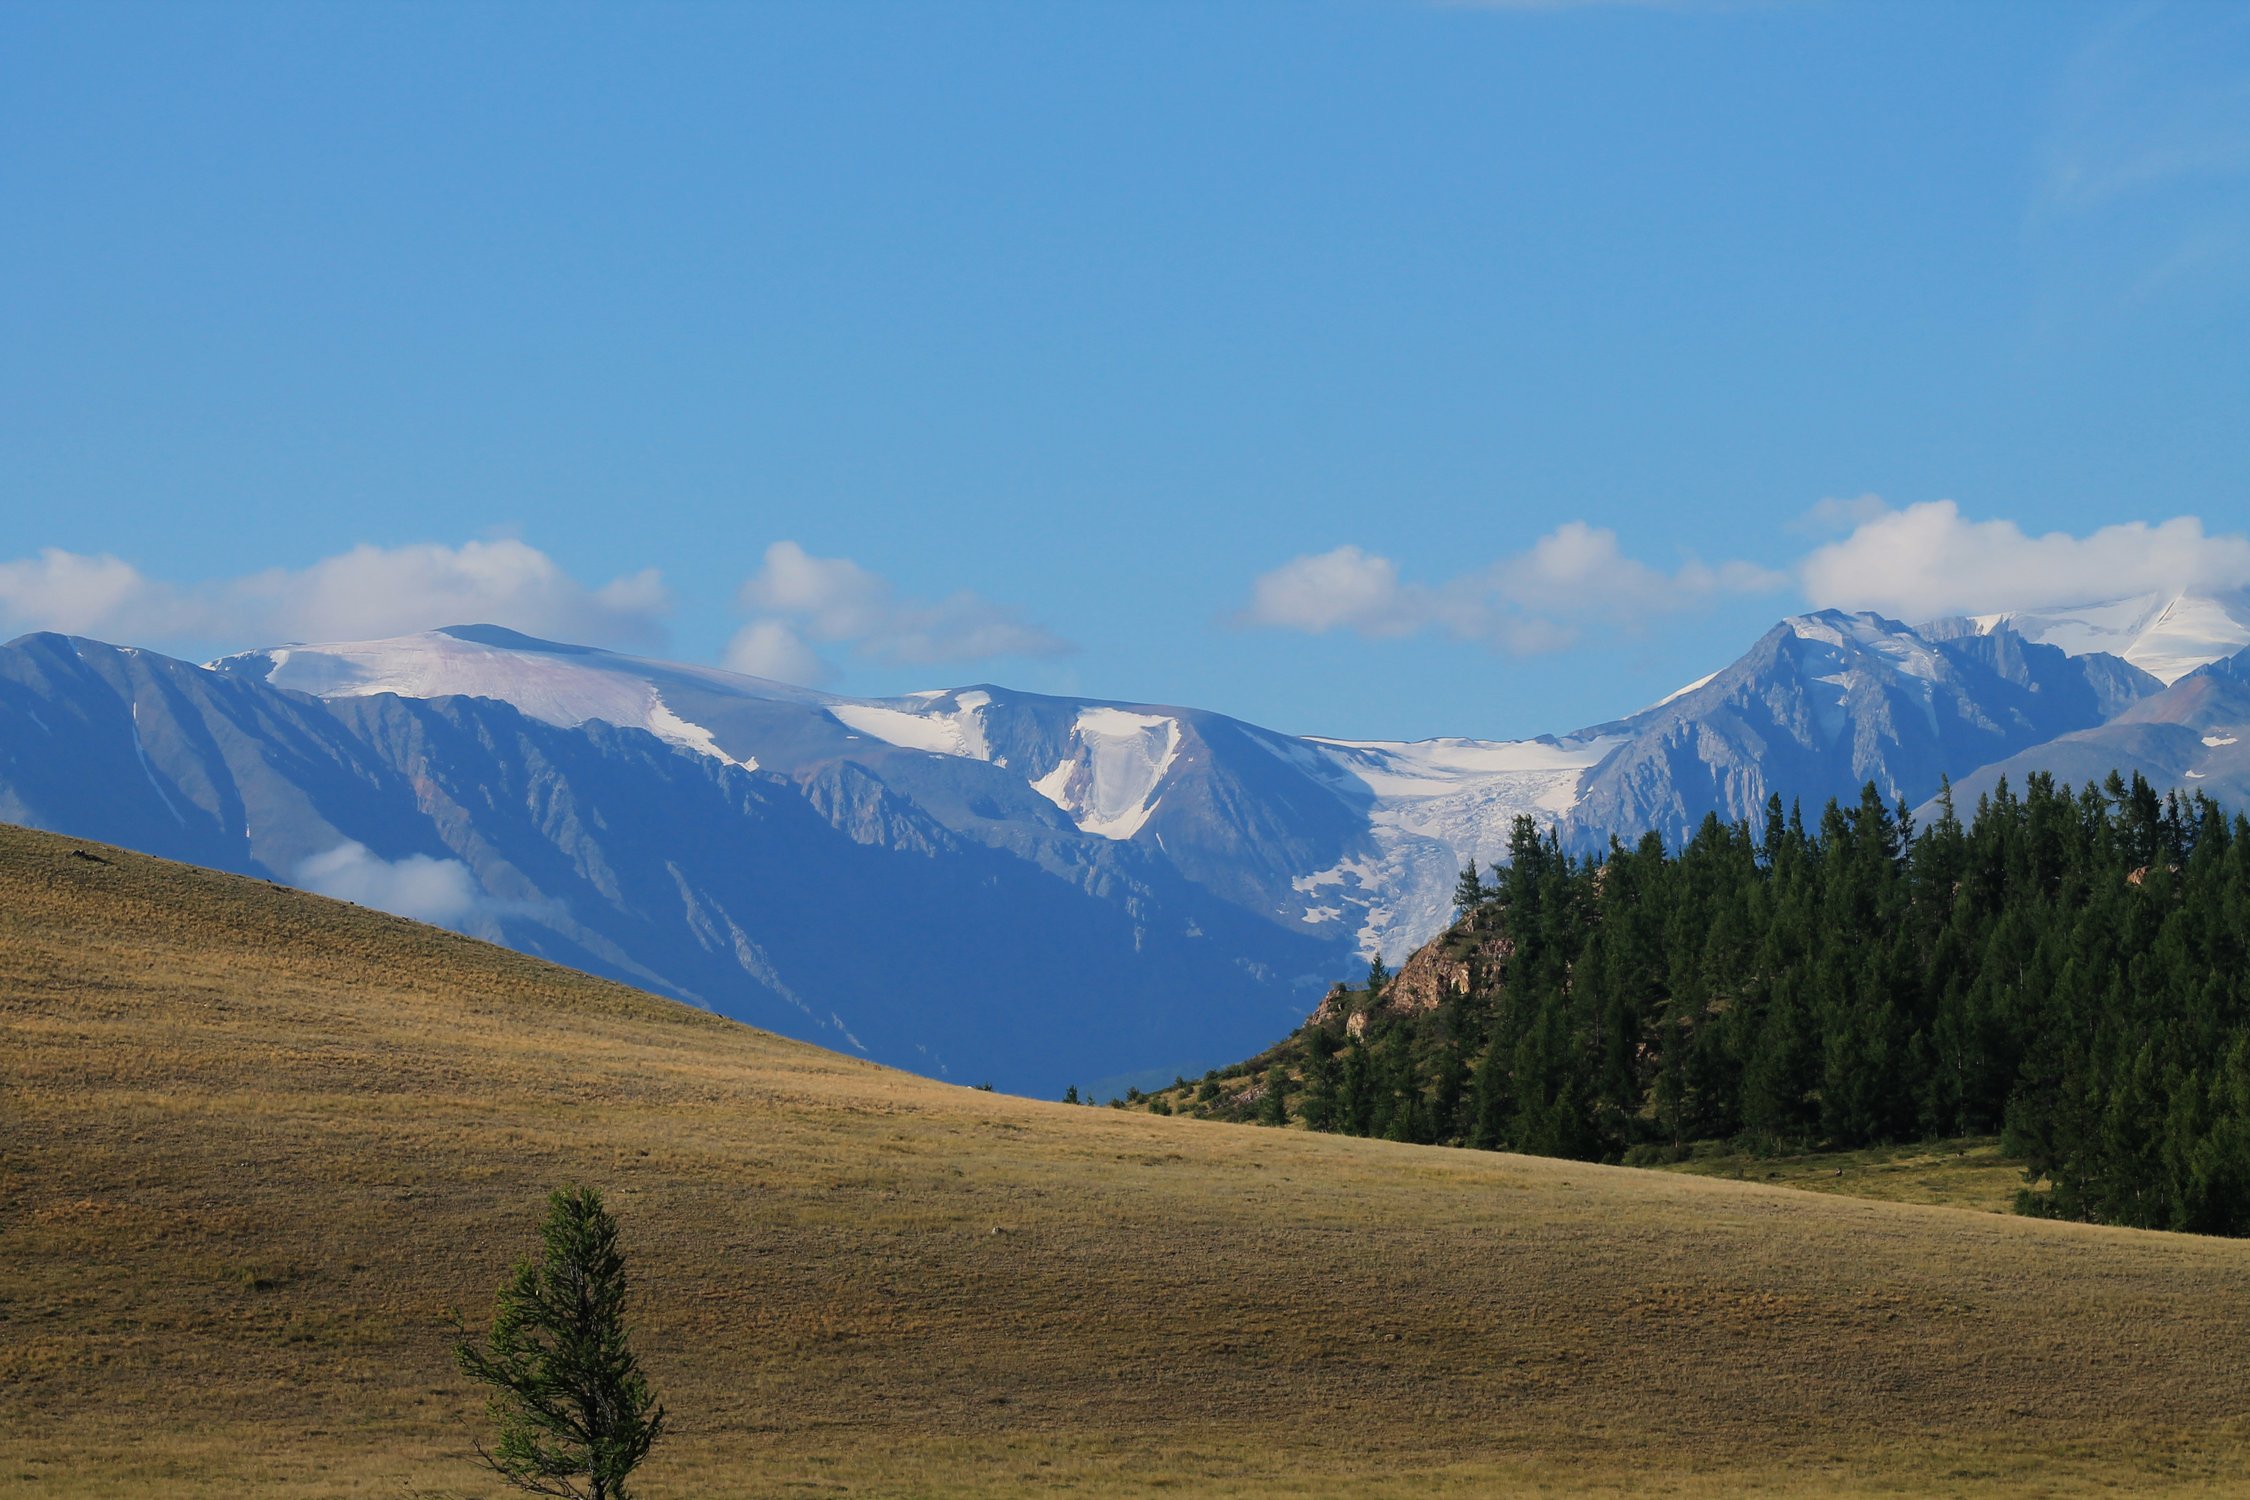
1108	779
567	686
1113	776
1434	805
2166	634
958	730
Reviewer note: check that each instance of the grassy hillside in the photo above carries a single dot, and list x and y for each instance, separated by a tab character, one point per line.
254	1144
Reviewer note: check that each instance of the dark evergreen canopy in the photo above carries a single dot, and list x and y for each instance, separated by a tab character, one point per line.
2066	968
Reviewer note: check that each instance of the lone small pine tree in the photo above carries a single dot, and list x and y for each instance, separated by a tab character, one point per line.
1468	891
568	1397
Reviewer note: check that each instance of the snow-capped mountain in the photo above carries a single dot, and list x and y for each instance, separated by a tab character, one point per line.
1351	843
2167	634
1827	702
826	904
979	882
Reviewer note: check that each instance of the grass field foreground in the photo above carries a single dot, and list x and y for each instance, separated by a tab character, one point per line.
255	1144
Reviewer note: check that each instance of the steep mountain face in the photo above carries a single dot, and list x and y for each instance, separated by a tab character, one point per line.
1828	702
823	904
139	749
978	882
1340	845
2192	737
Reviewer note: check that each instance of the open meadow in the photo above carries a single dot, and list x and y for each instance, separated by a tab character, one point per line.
255	1144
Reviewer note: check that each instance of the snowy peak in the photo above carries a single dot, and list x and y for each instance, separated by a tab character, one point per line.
2167	634
1859	636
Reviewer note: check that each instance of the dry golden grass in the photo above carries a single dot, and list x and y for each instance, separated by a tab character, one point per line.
254	1144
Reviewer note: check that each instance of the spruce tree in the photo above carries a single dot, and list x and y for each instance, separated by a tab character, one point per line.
1317	1106
573	1412
1273	1103
1468	891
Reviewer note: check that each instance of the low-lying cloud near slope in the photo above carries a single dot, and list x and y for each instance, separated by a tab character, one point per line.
441	892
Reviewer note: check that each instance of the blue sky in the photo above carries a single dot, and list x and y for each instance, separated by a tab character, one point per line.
1374	369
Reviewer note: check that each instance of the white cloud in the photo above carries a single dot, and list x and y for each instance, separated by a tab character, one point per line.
769	648
797	599
366	592
81	595
1832	517
441	892
1928	560
1575	578
1343	589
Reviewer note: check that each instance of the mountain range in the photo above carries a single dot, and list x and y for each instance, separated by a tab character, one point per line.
991	885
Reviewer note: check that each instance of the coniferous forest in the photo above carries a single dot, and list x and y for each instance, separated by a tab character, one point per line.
2063	968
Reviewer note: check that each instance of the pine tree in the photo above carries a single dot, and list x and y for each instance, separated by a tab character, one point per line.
568	1397
2071	967
1317	1106
1468	891
1273	1104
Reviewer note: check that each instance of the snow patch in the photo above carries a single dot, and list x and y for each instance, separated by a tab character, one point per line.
898	726
959	732
671	728
2216	740
141	752
1905	651
555	684
1110	777
1677	694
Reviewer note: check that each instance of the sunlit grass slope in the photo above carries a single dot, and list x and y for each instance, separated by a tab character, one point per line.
254	1144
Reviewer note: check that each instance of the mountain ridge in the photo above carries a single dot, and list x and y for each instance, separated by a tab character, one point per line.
1032	886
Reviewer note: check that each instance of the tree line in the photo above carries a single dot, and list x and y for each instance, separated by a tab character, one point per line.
2064	968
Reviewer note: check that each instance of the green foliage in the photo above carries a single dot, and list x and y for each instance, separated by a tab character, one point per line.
1317	1106
1273	1100
2071	968
1469	892
568	1401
